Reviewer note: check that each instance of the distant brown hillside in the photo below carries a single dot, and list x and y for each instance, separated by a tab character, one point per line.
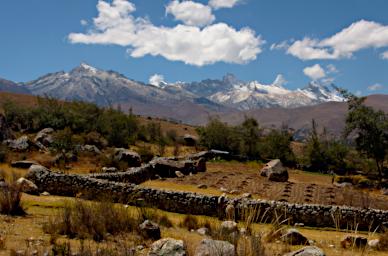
330	115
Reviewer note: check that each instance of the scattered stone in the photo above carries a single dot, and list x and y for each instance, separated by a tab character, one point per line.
343	184
357	241
234	192
228	227
166	167
307	251
179	174
203	231
27	186
275	171
20	144
25	164
202	186
224	190
109	169
210	247
168	247
91	149
44	137
374	244
150	230
299	225
246	195
130	157
45	193
294	237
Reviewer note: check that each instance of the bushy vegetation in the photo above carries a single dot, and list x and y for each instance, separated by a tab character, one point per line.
10	199
91	220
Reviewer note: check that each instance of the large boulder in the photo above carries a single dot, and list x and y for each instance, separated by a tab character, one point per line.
20	144
168	247
294	237
25	164
125	155
27	186
228	228
149	230
44	137
210	247
275	171
167	167
307	251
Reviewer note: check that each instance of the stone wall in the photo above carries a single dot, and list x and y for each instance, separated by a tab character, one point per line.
191	203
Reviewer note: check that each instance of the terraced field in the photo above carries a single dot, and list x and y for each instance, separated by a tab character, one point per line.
302	187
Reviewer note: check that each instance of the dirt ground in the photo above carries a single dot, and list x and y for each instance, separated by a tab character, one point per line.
302	187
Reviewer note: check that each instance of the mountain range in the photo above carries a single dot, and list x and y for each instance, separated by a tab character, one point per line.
189	102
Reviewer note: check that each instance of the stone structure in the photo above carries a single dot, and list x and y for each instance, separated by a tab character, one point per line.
93	187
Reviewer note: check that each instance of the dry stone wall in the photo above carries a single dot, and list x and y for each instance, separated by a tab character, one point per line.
92	187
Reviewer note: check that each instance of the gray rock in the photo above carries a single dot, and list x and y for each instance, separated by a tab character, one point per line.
228	227
27	186
45	193
307	251
294	237
275	171
179	174
20	144
374	244
45	137
130	157
91	149
203	231
25	164
150	230
168	247
109	169
209	247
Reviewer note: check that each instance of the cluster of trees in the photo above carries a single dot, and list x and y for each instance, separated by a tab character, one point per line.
363	146
77	122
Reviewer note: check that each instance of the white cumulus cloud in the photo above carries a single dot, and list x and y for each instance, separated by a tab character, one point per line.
384	55
191	13
359	35
217	4
116	24
156	79
315	72
375	87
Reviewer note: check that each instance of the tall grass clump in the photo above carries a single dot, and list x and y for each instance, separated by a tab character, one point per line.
10	199
91	220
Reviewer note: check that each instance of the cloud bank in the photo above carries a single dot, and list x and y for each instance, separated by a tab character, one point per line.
217	4
359	35
219	42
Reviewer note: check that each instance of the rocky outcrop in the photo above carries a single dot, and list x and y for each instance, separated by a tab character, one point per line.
27	186
275	171
168	247
20	144
127	156
209	247
44	138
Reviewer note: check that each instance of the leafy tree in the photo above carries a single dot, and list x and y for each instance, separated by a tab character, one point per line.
250	136
277	144
370	128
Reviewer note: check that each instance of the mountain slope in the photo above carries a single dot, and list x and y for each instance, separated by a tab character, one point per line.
9	86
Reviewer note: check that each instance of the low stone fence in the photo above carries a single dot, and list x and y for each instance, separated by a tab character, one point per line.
191	203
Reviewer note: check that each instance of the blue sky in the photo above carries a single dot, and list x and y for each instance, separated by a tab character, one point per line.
341	41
